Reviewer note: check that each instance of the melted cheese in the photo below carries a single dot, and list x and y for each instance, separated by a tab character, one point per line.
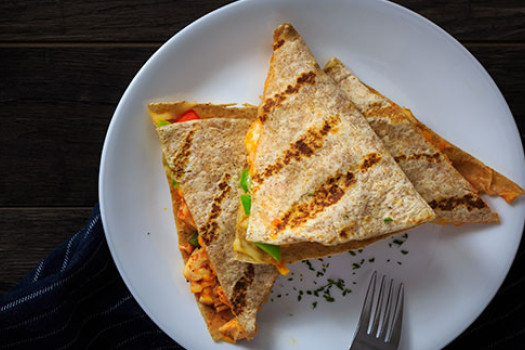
251	141
241	245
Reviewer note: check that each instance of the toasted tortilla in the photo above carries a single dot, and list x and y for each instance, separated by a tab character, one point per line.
484	178
451	196
319	172
206	157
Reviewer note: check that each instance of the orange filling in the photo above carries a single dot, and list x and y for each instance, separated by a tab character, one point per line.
204	284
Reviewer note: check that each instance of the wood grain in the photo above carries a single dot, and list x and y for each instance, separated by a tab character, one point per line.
147	21
55	106
99	20
29	235
474	20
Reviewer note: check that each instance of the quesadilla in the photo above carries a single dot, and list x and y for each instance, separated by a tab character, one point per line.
451	196
319	173
203	155
482	177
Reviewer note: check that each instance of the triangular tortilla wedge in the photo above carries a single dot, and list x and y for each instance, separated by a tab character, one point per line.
205	158
451	196
319	172
484	178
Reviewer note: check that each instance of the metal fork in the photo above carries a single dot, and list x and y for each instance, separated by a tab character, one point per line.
383	330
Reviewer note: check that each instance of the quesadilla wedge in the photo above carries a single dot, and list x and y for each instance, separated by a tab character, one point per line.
203	154
319	173
451	196
482	177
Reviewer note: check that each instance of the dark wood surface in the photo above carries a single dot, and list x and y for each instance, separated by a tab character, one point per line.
65	64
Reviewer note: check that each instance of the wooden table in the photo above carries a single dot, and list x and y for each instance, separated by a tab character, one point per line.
65	64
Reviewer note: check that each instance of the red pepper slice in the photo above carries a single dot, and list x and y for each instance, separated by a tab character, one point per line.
189	115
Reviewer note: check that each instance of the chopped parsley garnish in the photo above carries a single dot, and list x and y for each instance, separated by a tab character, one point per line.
309	264
388	219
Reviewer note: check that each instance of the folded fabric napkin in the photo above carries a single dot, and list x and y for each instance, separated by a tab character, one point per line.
75	299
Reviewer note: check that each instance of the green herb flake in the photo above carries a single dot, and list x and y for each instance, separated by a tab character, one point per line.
346	216
148	233
388	219
398	242
351	252
314	304
328	298
309	264
371	260
404	252
290	315
311	195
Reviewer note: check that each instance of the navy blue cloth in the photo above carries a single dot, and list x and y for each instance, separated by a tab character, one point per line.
76	299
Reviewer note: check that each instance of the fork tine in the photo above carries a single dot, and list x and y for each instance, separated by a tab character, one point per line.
379	305
367	305
398	317
388	307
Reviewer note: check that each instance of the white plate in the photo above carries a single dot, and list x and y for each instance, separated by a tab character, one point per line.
450	273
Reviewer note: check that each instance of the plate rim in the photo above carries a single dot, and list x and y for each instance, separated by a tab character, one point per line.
400	9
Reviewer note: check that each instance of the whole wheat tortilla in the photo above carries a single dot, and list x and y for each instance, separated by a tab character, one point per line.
206	157
485	179
319	172
451	196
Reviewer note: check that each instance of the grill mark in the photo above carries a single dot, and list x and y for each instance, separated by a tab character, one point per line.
277	44
470	201
240	289
306	78
277	99
304	147
429	157
208	233
369	161
325	195
183	156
